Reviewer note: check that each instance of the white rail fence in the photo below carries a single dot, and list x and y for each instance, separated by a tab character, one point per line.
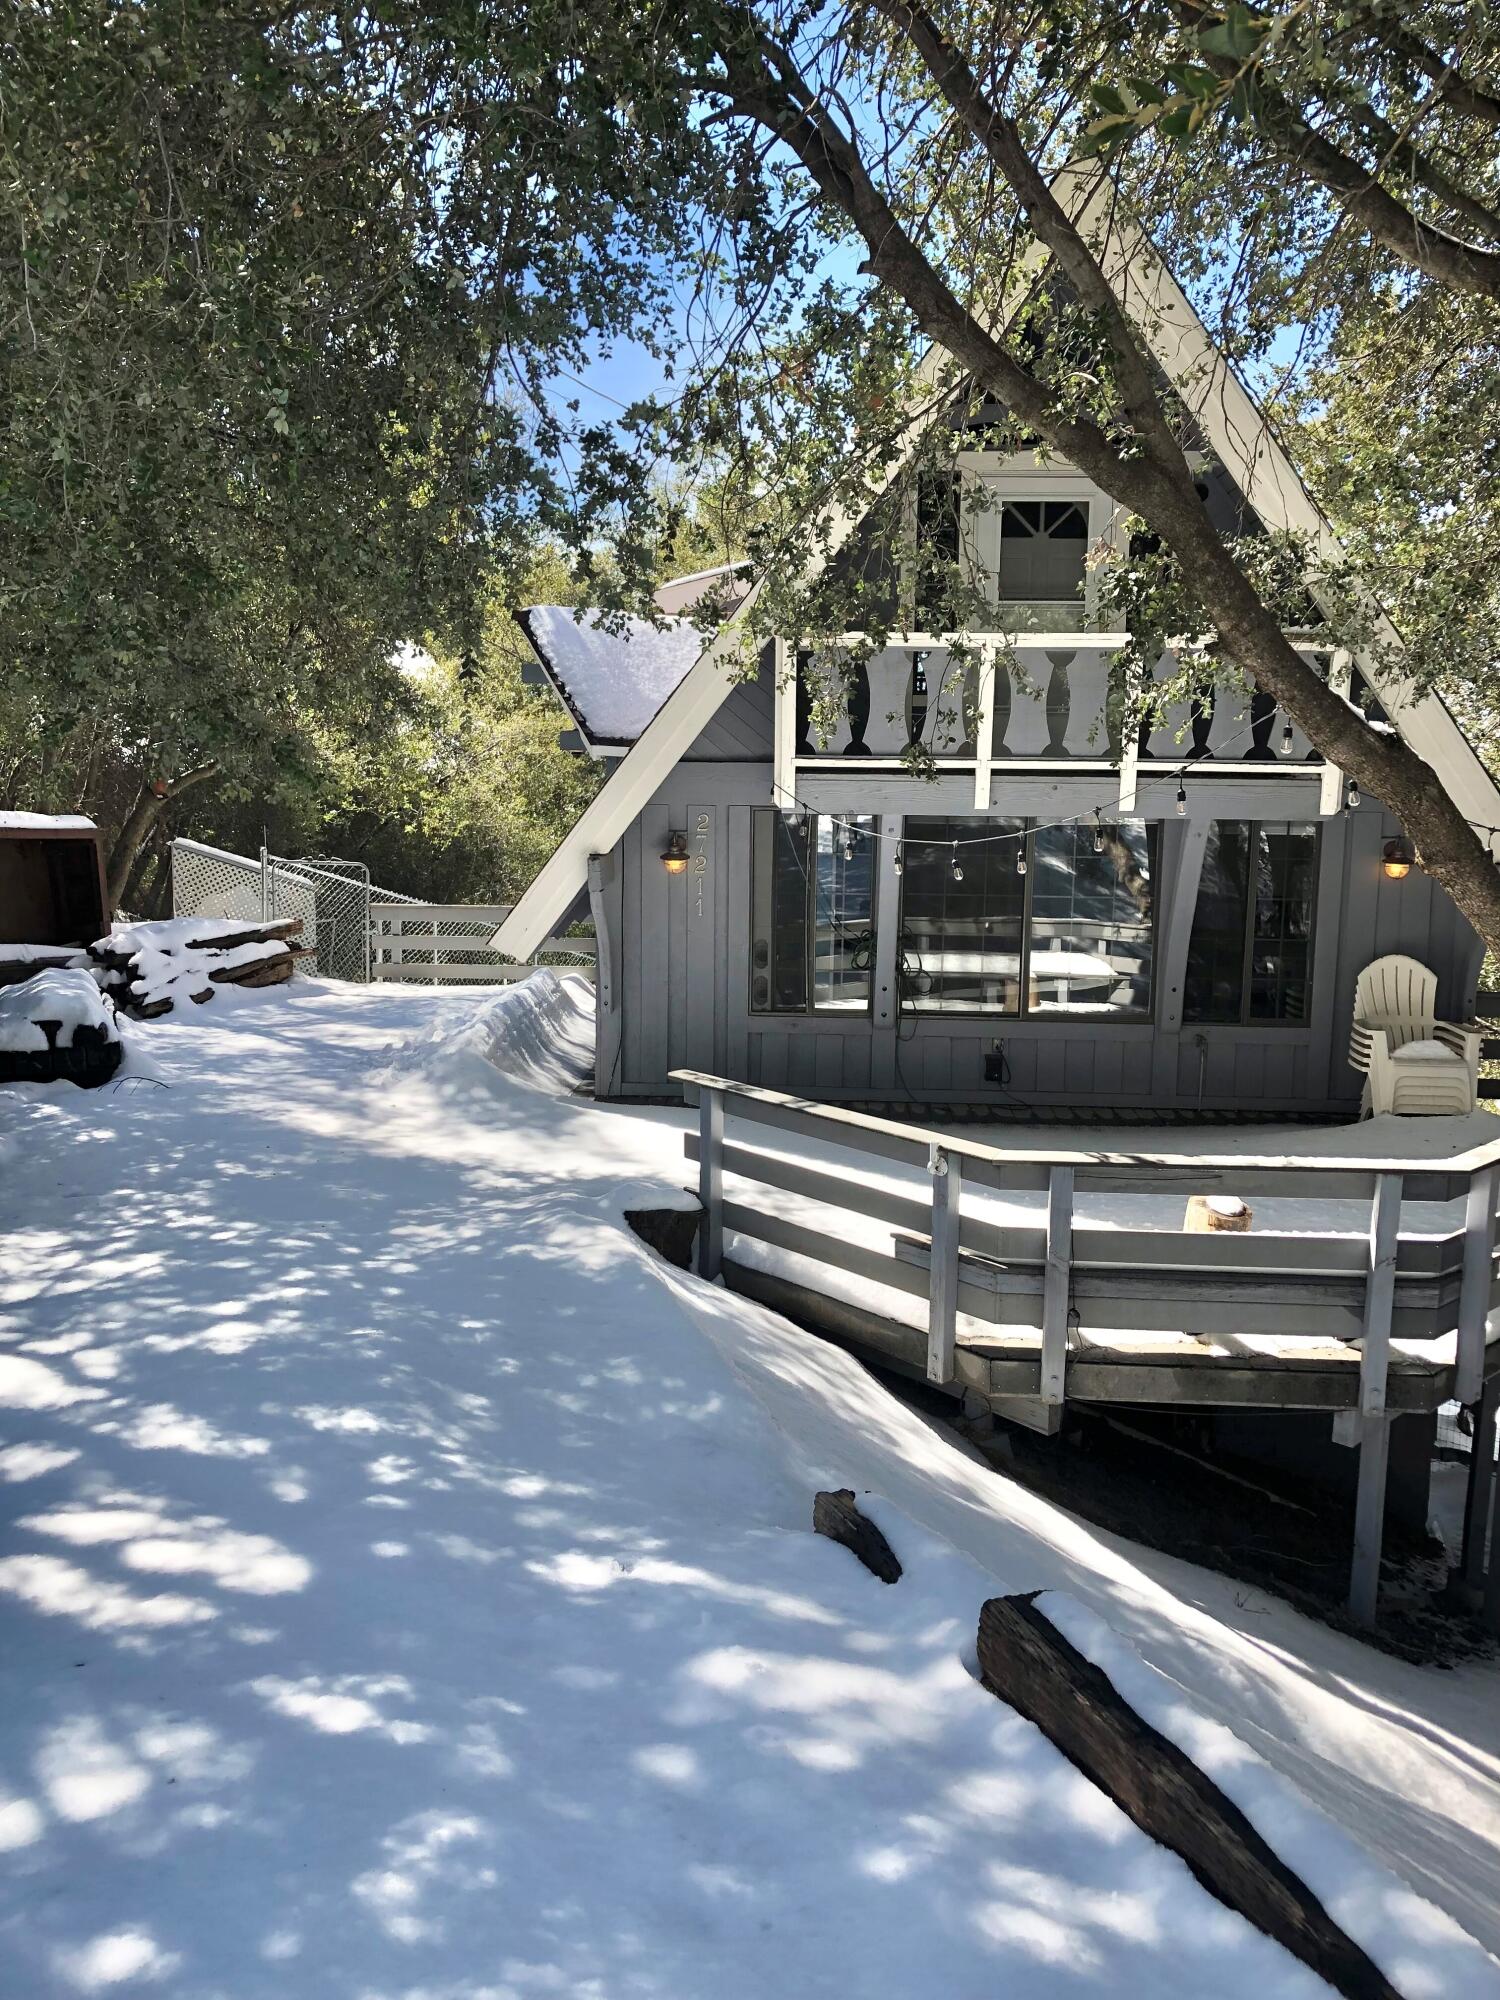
1317	1285
449	944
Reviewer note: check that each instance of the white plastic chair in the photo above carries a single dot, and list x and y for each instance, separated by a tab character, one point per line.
1414	1064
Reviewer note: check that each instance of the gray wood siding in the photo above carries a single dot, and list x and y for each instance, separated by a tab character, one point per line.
741	731
684	981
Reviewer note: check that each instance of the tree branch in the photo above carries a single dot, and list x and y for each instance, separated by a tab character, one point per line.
784	107
1468	99
1051	222
1462	267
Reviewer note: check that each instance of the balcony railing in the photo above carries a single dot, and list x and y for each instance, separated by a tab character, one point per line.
1039	700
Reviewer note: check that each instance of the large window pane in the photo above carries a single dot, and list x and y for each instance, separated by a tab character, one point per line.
1285	878
1091	920
843	914
961	940
1249	954
779	902
812	914
1214	988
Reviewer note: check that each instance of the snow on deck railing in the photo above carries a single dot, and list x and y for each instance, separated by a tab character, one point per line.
1316	1284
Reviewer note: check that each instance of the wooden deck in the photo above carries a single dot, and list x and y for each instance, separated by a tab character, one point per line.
1366	1311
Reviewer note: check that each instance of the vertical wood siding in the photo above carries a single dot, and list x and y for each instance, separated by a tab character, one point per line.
684	987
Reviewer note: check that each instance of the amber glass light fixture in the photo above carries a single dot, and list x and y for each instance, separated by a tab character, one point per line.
1397	859
675	855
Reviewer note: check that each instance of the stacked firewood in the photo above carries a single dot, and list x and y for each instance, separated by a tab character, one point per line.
148	968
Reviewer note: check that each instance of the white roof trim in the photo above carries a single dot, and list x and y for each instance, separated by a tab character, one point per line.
1247	444
1240	434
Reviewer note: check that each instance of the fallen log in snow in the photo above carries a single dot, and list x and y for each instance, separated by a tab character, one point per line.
1028	1663
836	1516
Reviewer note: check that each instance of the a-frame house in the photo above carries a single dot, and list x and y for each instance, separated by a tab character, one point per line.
1058	921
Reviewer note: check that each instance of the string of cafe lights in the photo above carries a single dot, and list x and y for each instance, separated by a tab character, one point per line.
854	833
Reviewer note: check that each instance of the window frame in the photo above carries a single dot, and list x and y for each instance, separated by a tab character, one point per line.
1028	481
810	1010
1271	1024
1145	1018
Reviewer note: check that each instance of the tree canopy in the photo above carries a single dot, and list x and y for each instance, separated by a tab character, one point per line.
295	304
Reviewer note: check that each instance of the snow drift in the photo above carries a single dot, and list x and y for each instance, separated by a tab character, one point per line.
410	1592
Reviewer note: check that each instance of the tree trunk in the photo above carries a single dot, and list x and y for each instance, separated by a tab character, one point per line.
763	85
140	823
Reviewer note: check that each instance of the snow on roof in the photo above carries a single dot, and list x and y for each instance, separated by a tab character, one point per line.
613	682
19	822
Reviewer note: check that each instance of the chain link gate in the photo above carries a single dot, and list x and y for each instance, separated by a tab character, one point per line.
331	897
355	927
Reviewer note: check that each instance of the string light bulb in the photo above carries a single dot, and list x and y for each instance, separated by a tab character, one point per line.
1021	859
1181	798
848	842
1351	796
1098	832
896	862
1286	737
955	865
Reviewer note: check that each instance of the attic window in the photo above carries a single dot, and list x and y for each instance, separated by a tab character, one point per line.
1043	546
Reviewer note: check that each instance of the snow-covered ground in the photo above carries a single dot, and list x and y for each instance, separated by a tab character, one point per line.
407	1590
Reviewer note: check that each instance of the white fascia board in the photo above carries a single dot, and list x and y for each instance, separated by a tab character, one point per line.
1246	443
630	787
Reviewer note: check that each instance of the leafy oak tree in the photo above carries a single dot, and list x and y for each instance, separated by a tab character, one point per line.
420	224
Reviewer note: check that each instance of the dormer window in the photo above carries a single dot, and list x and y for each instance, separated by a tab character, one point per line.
1043	547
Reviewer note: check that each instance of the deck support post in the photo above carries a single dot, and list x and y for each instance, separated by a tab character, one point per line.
942	1284
1056	1284
711	1182
1490	1608
990	664
1474	1295
1480	1493
1375	1430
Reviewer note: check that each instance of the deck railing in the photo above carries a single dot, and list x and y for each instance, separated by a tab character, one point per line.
1315	1285
1033	697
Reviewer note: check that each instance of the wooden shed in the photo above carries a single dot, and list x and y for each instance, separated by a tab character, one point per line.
52	889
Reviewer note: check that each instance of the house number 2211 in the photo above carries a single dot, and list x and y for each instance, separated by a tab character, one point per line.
702	826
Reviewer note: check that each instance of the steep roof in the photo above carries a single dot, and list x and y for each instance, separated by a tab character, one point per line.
1233	424
612	682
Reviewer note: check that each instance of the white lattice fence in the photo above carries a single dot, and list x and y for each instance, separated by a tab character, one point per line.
210	882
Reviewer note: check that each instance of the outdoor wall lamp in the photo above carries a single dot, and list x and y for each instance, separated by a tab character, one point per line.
675	855
1397	858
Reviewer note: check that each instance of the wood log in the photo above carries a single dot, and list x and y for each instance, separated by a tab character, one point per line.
275	932
1027	1662
836	1516
264	972
118	957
